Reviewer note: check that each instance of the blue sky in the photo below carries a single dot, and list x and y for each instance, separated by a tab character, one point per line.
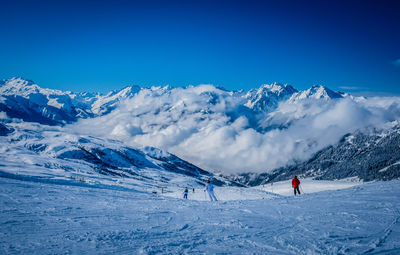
350	46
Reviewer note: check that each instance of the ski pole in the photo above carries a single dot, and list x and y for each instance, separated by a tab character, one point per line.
301	189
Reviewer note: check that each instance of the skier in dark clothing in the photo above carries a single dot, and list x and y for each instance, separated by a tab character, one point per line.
185	193
296	184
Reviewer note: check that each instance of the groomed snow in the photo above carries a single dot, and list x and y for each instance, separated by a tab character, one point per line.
44	218
308	185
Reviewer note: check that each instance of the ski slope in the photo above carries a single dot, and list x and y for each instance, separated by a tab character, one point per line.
308	185
38	217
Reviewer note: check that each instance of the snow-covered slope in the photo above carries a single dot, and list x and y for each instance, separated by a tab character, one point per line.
48	218
308	186
43	152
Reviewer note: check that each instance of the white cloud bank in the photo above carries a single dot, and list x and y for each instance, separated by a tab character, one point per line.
210	127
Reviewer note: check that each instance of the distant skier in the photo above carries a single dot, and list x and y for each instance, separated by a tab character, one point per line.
185	193
296	184
210	191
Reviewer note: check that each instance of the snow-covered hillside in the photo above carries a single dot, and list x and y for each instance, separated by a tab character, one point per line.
221	131
48	153
46	218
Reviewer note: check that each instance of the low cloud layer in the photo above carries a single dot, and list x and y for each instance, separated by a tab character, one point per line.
212	129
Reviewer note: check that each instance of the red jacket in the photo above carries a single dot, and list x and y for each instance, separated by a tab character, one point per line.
295	182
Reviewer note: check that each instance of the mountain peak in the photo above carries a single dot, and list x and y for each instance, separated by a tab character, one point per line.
125	92
323	92
317	92
18	85
268	96
277	88
25	88
20	80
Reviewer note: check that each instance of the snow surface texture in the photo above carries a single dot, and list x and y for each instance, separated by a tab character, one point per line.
308	185
45	218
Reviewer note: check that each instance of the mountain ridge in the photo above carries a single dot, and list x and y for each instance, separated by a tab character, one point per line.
57	106
220	131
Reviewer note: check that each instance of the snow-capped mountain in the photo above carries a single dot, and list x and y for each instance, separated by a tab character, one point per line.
267	97
106	103
221	131
23	99
316	92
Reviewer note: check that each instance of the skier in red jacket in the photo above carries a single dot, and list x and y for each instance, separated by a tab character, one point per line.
296	184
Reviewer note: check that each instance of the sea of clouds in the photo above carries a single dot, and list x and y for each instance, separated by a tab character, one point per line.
212	128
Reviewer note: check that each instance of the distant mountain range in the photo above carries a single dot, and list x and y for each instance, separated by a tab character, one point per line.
200	122
23	99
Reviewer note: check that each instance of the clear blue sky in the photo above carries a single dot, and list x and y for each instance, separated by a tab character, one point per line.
105	45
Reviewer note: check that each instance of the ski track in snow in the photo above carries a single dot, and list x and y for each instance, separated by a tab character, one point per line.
45	218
